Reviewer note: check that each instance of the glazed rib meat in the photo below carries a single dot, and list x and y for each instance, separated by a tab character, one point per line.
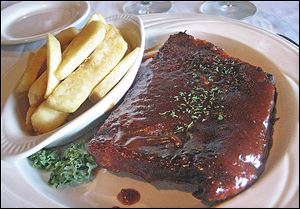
193	115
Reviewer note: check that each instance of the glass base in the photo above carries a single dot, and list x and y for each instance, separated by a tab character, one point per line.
232	9
146	7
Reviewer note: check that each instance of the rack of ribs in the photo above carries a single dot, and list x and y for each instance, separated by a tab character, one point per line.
193	115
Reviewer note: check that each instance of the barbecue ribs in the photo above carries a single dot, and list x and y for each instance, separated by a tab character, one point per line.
194	115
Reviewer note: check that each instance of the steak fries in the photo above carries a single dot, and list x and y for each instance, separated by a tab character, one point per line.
58	83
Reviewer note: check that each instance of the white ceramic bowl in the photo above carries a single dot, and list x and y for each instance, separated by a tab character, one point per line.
17	143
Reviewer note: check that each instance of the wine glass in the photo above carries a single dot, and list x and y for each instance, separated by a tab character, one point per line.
232	9
146	7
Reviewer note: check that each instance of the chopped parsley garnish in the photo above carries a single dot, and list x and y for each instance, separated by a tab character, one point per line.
220	117
69	166
209	80
199	104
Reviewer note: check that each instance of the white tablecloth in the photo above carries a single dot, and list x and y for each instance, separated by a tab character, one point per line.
278	17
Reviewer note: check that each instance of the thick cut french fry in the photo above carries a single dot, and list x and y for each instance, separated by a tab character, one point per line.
30	58
37	90
114	76
73	91
42	69
96	17
45	119
53	60
30	111
32	71
80	48
66	36
22	84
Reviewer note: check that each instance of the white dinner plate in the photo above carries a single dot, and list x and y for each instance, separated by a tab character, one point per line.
31	21
277	187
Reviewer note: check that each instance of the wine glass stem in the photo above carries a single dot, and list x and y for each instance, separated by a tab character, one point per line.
229	3
146	5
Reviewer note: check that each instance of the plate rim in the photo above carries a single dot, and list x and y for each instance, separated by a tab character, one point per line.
29	39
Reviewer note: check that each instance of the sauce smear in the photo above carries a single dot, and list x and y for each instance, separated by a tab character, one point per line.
128	196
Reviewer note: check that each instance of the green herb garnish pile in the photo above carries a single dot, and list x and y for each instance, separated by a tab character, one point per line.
72	165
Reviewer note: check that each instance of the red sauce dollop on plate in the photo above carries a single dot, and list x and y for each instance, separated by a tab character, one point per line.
128	196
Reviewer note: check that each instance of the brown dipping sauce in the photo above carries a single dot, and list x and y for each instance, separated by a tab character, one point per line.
128	196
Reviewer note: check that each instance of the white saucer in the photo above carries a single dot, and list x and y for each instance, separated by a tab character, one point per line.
30	21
